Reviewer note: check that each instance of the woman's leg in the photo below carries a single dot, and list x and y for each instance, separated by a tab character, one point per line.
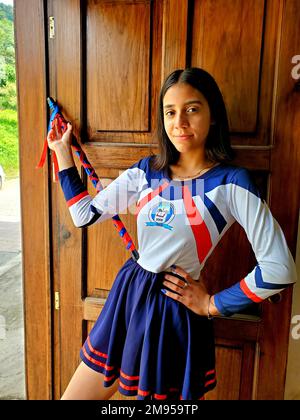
87	384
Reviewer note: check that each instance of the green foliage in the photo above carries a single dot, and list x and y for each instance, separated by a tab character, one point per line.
7	58
6	12
7	48
8	97
9	145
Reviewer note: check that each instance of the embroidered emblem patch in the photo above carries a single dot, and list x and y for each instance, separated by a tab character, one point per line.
161	215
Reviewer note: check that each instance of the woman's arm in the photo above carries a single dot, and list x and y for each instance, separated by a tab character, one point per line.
84	209
275	269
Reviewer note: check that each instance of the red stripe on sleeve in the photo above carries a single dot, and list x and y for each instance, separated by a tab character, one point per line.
248	292
77	198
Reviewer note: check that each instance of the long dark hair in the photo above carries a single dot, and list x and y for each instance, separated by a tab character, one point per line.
217	146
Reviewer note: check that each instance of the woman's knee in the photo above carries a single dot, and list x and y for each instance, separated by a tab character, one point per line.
87	384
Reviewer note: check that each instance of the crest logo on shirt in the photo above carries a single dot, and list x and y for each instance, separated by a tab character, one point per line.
161	215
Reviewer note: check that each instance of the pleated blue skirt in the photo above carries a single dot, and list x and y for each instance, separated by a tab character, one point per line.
154	346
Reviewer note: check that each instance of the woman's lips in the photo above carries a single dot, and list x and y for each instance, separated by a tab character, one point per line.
184	137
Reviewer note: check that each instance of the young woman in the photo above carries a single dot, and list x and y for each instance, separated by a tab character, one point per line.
154	337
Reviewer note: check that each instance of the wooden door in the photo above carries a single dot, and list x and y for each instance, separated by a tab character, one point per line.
105	64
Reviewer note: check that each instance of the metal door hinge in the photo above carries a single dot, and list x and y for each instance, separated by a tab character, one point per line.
56	301
51	27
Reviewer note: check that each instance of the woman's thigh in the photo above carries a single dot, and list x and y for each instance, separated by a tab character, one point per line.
87	384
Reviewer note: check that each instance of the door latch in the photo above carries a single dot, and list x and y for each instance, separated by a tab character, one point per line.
51	27
56	301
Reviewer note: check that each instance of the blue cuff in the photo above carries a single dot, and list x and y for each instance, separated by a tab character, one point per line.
220	307
232	300
71	182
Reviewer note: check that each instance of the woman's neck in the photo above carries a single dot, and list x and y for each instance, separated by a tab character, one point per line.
191	162
190	167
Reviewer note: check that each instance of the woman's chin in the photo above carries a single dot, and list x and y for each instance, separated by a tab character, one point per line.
183	148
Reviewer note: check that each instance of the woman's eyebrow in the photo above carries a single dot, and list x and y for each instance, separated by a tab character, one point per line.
196	101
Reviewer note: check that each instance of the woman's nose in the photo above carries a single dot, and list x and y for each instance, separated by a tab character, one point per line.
180	120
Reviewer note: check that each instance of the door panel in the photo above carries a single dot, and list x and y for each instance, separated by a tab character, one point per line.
244	36
118	32
123	42
237	65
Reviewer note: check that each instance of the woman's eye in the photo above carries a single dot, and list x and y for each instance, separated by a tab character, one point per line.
169	113
189	111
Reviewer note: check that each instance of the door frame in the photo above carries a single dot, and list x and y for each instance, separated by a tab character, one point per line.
31	71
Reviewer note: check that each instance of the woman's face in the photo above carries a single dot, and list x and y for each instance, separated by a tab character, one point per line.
186	117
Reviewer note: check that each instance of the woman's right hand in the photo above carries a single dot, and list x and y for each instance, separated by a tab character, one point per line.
60	143
56	138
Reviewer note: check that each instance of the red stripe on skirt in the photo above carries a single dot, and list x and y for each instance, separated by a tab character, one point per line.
98	353
128	388
96	362
109	378
143	393
160	396
210	372
131	378
210	382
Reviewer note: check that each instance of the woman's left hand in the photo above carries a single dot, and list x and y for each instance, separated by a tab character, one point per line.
191	293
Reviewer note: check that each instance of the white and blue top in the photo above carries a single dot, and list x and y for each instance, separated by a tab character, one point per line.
181	222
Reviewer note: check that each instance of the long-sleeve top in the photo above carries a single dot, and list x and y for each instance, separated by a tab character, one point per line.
181	222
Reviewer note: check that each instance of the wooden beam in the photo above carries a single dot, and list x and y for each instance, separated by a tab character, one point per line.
32	115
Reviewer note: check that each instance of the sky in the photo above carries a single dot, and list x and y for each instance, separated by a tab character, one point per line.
10	2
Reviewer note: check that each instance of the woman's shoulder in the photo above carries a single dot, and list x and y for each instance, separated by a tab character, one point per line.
234	173
146	165
242	177
143	163
144	169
